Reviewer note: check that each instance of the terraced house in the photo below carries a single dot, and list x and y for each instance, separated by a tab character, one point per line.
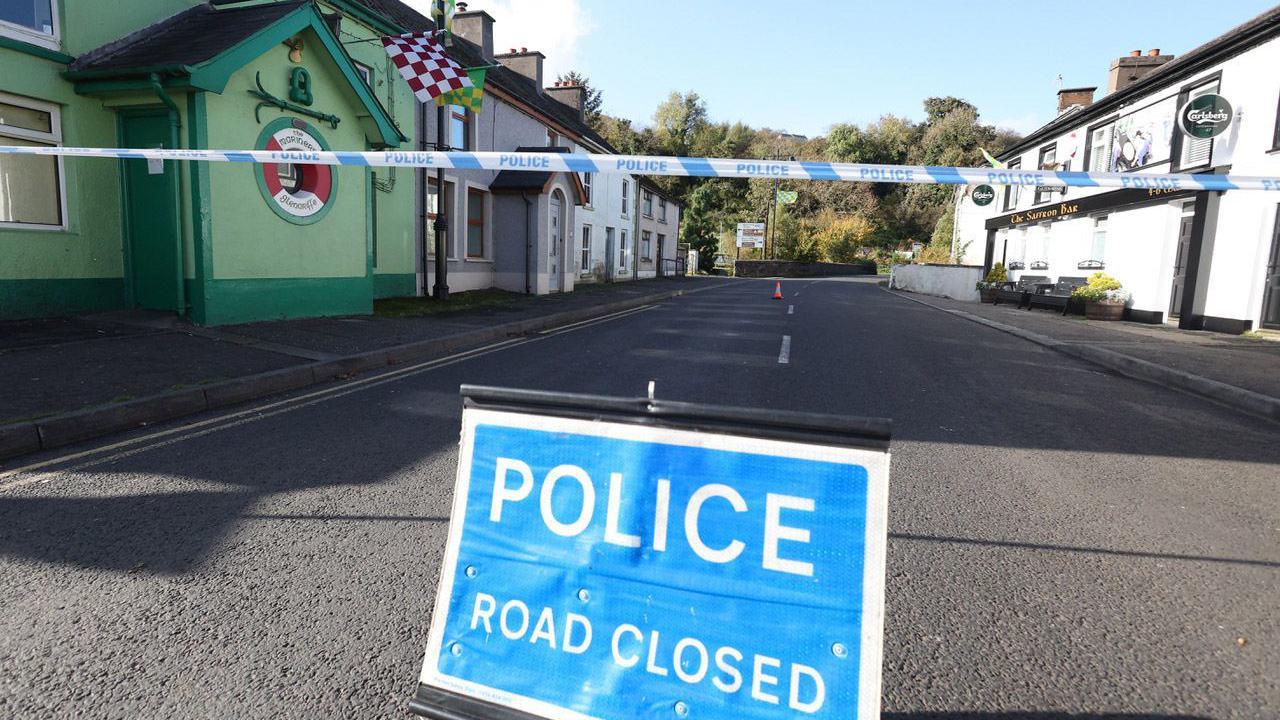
228	243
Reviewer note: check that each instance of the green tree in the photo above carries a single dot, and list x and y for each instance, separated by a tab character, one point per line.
678	121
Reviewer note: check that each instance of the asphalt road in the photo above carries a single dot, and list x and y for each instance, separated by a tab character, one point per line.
1064	543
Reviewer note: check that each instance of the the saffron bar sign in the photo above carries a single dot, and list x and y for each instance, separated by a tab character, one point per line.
660	563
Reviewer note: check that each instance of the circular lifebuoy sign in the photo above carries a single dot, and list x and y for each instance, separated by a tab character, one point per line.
300	193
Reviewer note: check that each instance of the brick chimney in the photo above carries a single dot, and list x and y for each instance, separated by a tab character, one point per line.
476	26
526	62
1126	71
1075	96
575	96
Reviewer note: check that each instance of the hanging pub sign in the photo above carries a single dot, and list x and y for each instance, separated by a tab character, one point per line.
983	195
299	193
617	559
1206	116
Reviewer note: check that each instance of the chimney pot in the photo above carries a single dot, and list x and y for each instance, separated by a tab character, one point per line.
1153	52
462	7
1135	53
524	49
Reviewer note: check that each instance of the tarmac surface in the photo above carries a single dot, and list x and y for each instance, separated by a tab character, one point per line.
1064	543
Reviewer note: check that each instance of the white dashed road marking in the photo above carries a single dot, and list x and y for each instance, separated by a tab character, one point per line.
784	355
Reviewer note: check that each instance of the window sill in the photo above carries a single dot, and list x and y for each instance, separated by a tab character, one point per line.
31	227
480	260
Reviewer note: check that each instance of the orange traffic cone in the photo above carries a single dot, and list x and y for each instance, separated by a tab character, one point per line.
777	291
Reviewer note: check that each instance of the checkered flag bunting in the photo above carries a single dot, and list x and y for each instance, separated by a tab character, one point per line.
425	66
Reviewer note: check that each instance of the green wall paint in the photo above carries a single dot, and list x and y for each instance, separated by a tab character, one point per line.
51	298
248	239
240	301
88	24
387	285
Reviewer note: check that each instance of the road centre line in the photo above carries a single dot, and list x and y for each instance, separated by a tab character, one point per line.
791	309
784	355
261	412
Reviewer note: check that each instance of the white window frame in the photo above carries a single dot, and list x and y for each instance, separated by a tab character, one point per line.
451	215
35	37
622	250
584	250
1101	226
365	72
1109	131
54	139
486	238
1208	86
626	197
588	184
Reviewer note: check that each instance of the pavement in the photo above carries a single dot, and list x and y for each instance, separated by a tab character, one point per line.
1237	371
90	375
1064	542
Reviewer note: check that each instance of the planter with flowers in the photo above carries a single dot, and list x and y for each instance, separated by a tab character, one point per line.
988	286
1102	297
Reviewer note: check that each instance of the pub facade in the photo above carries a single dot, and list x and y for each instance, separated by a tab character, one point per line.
1205	260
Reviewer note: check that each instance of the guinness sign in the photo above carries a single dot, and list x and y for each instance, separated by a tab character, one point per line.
1204	117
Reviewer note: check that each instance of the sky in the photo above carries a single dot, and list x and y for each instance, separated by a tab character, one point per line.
803	66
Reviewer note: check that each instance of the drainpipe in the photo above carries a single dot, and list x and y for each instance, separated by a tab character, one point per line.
528	242
174	123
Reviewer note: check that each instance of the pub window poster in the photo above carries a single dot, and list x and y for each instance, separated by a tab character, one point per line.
1144	137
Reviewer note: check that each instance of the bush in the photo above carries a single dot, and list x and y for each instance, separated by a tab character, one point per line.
995	277
1101	288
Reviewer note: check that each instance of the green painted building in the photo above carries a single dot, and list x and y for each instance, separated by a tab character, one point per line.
218	243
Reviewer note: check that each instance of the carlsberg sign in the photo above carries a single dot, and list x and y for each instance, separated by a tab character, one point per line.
1207	116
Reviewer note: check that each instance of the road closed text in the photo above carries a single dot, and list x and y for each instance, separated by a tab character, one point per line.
689	660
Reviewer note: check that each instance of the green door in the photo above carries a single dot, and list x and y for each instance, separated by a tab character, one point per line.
153	242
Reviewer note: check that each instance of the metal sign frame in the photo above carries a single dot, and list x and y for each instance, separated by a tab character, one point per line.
835	432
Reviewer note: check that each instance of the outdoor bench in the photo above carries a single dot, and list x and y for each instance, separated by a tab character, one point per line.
1018	292
1059	296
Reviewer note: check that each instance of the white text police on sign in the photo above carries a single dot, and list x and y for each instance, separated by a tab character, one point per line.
616	571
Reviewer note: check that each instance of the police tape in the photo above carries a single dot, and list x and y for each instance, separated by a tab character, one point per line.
682	167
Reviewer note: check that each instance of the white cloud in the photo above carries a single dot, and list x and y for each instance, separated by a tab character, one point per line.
553	27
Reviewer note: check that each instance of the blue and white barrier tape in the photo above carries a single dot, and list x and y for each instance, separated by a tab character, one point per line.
685	167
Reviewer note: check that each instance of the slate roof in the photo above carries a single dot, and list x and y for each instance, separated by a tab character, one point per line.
400	14
521	180
188	38
1231	43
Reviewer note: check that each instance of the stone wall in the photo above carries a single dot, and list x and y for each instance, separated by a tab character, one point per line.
951	281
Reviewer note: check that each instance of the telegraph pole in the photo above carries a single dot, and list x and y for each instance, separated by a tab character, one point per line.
772	228
441	289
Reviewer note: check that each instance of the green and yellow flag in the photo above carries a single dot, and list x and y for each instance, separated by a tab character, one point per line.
450	7
994	162
471	98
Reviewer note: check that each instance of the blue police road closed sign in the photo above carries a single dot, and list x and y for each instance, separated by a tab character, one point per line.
610	569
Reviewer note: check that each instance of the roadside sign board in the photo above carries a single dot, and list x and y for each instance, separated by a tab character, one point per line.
624	559
751	235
